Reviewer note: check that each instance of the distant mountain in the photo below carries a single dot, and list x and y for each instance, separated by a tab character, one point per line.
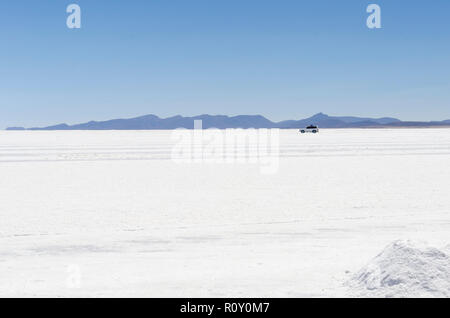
152	122
326	121
15	128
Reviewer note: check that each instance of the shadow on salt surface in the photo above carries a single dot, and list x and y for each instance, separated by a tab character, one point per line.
333	229
71	249
167	250
200	239
179	239
294	234
147	241
6	255
282	234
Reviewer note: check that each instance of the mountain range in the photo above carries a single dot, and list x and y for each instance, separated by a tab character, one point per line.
153	122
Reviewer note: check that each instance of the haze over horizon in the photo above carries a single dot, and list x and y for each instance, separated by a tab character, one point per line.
213	115
285	60
154	122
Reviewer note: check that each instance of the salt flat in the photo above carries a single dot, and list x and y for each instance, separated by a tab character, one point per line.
109	213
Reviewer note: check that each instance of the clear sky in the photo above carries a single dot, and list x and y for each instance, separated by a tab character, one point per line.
284	59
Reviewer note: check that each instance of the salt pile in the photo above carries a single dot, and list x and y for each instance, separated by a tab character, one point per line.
404	269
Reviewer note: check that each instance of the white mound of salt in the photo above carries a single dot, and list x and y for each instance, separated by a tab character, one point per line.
404	269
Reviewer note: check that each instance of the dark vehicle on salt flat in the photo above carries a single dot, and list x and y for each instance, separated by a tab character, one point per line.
310	129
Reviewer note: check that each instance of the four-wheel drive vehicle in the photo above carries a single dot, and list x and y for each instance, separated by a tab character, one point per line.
310	129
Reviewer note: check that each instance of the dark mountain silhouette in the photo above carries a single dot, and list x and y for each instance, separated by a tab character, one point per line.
152	122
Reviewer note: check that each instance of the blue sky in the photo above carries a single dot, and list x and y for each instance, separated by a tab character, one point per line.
279	58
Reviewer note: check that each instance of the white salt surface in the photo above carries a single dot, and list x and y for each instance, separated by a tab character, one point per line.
109	214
